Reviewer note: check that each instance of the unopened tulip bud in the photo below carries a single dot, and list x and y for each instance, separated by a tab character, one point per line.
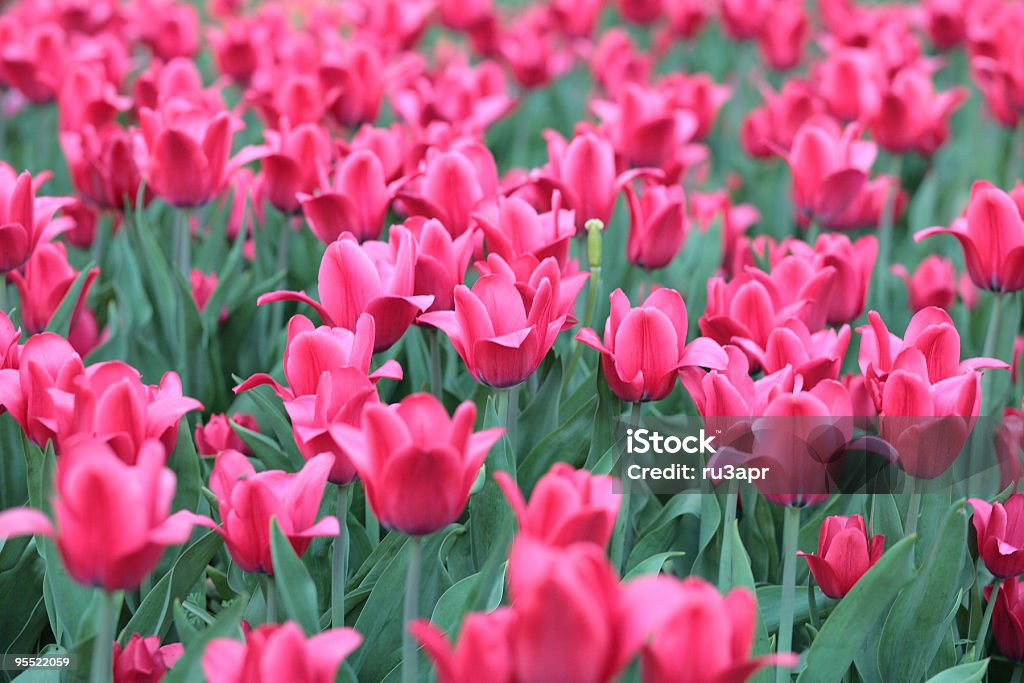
594	229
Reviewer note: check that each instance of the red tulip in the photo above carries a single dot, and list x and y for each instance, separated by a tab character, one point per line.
533	48
993	39
992	237
47	279
645	347
450	191
10	352
1008	618
730	392
854	263
218	434
687	17
144	660
568	614
687	631
377	278
102	165
657	227
25	220
504	326
567	506
417	463
784	35
640	11
774	125
1000	535
293	162
353	78
169	29
273	652
482	652
520	229
248	500
932	284
356	202
912	116
743	19
617	61
814	357
236	48
844	554
645	125
34	59
25	386
111	519
86	98
699	94
459	15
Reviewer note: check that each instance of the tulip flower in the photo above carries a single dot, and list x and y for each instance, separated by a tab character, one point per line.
568	614
375	278
520	229
25	386
293	162
992	236
247	501
34	59
644	125
144	660
450	191
1008	618
218	434
458	15
850	80
417	463
10	352
567	506
773	126
273	652
354	81
356	201
482	651
743	19
814	357
102	165
25	220
657	227
645	347
504	326
1000	535
111	519
911	116
784	35
47	278
686	630
933	283
844	554
441	261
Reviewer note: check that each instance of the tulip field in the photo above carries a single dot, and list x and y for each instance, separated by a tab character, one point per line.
534	341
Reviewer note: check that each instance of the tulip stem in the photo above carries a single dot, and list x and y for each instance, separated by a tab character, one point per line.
623	543
507	405
812	602
979	645
183	243
588	316
270	597
436	374
411	611
339	560
989	350
102	651
885	235
790	543
725	560
913	508
372	523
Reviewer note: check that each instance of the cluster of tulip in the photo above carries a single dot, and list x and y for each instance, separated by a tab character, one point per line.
378	221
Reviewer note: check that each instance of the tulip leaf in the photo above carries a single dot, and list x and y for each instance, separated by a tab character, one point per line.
652	565
294	584
188	668
21	584
540	417
264	448
184	462
153	616
972	672
456	601
930	599
569	441
60	321
840	637
270	413
68	603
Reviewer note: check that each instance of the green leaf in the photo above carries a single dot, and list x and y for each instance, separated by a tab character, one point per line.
972	672
294	584
652	565
930	599
455	602
153	615
60	321
188	669
840	638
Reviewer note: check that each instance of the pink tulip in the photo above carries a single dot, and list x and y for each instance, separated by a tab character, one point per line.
645	125
218	434
293	162
10	352
912	116
520	229
25	220
464	15
356	201
645	347
1000	535
657	227
783	36
814	357
25	386
111	519
482	652
992	237
854	263
144	660
743	19
504	326
933	283
102	165
1008	618
441	261
377	278
845	554
450	191
417	463
567	506
686	630
774	125
248	500
282	652
353	77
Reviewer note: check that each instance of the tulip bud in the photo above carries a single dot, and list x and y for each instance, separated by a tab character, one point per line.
594	228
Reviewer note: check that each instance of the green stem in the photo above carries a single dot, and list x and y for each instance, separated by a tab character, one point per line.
1018	673
913	508
886	229
339	560
989	350
812	602
986	620
725	561
183	242
507	404
270	596
372	523
588	316
790	545
436	374
624	540
102	652
411	611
